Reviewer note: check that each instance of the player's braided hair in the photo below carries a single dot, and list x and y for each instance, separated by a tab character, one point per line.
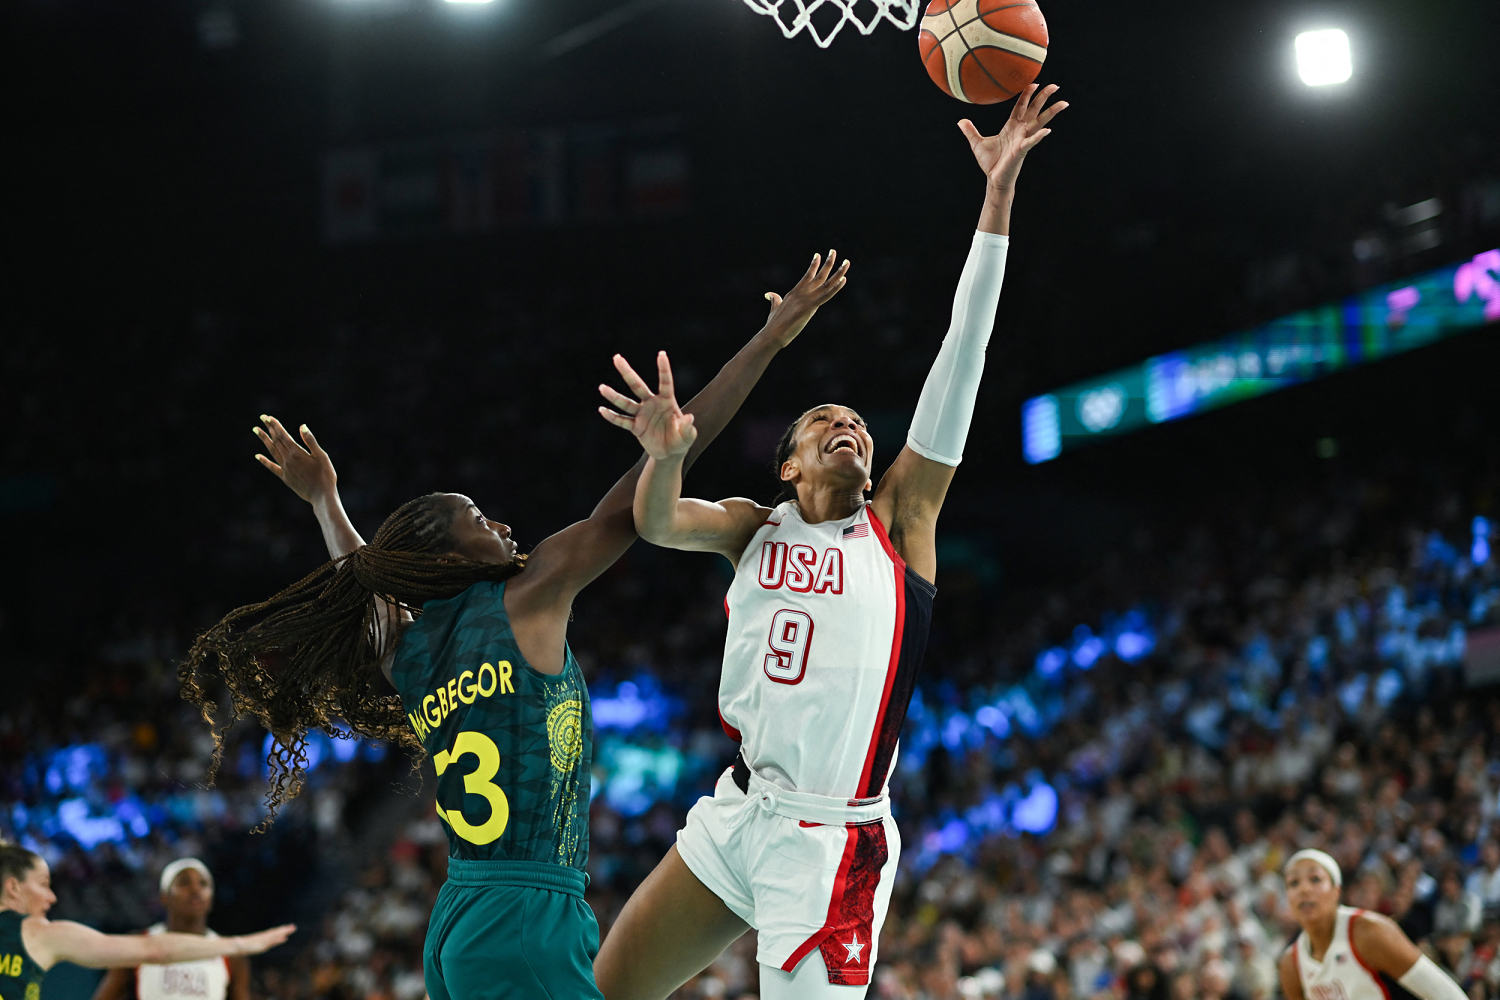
16	861
308	657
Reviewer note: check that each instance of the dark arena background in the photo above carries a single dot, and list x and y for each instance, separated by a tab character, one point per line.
1217	575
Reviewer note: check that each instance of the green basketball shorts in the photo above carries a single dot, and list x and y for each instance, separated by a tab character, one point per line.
511	929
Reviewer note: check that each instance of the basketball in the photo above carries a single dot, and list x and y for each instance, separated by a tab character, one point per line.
983	51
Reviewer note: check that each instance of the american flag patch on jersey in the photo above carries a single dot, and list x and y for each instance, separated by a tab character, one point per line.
860	530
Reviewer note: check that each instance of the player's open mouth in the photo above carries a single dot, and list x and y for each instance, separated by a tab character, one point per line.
843	441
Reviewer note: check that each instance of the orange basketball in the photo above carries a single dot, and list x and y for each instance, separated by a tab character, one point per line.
983	51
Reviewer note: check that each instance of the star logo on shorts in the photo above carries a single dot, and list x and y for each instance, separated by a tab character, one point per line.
854	946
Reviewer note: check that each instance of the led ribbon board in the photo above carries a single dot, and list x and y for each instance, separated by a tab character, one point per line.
1377	323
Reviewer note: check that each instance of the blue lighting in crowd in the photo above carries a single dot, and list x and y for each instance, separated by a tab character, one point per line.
1050	662
1439	551
87	827
955	730
950	837
1132	646
625	710
1479	554
637	704
1023	711
1132	636
1037	812
994	720
1317	653
72	769
1088	648
635	777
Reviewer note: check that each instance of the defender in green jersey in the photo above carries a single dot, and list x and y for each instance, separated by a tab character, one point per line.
30	944
472	635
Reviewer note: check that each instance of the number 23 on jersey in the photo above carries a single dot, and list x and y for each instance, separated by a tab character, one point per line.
479	781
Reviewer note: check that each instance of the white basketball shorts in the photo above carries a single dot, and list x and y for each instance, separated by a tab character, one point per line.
806	871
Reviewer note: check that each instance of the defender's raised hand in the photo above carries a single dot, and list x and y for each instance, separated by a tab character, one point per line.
655	419
1000	155
307	472
823	280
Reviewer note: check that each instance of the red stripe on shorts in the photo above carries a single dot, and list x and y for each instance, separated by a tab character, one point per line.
847	935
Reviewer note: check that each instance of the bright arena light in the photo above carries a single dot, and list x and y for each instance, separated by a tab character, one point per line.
470	1
1323	57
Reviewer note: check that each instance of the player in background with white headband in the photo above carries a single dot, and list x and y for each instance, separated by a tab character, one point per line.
187	894
1343	952
30	944
828	615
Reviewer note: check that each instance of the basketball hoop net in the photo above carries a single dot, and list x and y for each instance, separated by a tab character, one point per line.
824	19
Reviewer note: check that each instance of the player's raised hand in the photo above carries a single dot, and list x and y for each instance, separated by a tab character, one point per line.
1000	155
655	419
254	944
307	472
824	279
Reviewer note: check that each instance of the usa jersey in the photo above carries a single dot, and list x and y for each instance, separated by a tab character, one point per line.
827	627
1342	974
208	977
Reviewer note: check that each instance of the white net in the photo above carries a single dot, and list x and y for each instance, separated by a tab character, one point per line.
824	19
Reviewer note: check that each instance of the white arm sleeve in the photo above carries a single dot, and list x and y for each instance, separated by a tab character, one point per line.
1424	979
946	406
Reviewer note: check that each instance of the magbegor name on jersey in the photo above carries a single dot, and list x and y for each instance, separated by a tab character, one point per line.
465	689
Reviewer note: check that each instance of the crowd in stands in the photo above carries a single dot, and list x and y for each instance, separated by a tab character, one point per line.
1110	822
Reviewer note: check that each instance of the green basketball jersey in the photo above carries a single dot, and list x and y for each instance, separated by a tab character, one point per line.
20	977
512	746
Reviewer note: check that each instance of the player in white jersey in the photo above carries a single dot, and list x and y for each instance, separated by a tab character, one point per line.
828	618
1344	953
187	894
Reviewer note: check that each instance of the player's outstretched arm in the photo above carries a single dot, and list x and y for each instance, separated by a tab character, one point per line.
307	470
1380	941
911	492
53	941
666	434
309	473
1001	155
564	563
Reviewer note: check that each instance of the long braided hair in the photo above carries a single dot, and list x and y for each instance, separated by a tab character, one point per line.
308	658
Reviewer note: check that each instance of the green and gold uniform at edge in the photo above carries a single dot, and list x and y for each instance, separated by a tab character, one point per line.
20	976
512	749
